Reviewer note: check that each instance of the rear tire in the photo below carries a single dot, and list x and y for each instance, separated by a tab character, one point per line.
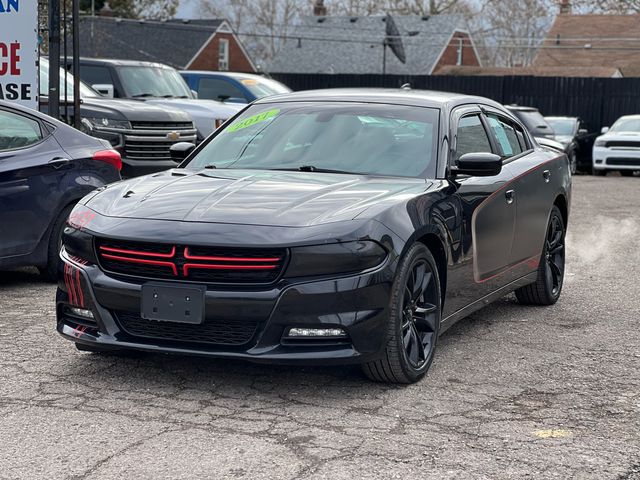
548	285
414	320
50	271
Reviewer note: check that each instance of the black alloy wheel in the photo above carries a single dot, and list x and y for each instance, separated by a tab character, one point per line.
548	285
414	321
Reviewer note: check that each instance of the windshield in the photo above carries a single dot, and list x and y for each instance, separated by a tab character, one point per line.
562	127
626	125
351	138
147	81
264	87
534	121
85	90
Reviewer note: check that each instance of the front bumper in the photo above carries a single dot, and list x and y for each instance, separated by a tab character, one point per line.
357	303
616	158
137	168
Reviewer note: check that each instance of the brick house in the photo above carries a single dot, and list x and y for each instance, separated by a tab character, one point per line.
182	44
355	45
592	41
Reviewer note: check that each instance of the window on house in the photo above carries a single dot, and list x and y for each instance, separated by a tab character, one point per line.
223	54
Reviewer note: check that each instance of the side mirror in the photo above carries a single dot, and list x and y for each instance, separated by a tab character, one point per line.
604	130
181	150
583	131
194	93
104	89
479	164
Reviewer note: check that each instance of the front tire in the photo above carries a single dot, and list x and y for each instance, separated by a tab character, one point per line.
548	285
414	320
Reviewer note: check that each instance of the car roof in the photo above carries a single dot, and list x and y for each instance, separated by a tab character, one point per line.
560	117
424	98
629	117
122	63
35	113
520	108
210	73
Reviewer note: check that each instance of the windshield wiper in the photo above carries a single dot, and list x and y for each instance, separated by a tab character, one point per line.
211	166
139	95
311	168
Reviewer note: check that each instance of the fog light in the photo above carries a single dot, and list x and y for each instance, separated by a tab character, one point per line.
81	312
598	161
317	332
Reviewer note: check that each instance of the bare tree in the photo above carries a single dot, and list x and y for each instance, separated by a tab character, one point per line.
509	33
398	7
156	9
263	25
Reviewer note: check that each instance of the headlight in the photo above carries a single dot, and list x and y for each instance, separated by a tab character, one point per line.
600	143
335	258
78	243
100	123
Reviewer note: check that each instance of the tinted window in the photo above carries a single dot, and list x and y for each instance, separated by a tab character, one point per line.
471	137
17	131
505	135
218	89
534	121
95	74
356	138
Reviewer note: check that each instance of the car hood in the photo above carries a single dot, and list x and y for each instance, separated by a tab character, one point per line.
204	112
252	197
620	136
132	110
203	107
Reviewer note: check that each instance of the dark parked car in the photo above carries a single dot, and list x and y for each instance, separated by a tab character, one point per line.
232	87
576	139
533	120
142	133
45	168
339	226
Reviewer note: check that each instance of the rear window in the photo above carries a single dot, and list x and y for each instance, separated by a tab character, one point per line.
534	121
354	138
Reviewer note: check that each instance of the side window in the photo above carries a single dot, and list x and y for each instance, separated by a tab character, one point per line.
506	135
93	75
17	131
471	137
217	89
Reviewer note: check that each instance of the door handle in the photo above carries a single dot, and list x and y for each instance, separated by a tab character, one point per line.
510	196
546	175
59	162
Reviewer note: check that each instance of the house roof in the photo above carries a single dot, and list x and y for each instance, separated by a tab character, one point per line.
355	44
592	41
174	43
555	71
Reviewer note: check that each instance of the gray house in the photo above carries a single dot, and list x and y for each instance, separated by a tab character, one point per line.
355	45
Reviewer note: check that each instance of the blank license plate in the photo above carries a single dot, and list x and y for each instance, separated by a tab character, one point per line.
173	303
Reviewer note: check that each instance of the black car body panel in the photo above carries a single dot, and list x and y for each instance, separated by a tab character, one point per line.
577	140
38	180
487	234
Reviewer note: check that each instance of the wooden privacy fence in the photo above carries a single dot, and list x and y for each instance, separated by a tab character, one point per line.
598	101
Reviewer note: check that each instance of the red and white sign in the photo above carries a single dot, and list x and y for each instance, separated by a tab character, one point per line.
19	52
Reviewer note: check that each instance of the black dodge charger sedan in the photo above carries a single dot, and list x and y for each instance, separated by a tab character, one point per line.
329	227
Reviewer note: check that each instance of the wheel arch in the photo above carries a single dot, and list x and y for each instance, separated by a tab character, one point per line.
561	202
436	247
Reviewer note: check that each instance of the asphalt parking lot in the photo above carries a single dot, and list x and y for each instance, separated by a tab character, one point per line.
514	392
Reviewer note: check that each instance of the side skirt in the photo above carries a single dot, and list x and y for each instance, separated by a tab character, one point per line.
487	299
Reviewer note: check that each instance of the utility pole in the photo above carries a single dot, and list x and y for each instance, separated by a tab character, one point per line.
75	14
54	58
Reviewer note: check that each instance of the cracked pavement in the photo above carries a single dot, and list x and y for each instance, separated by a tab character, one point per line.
514	392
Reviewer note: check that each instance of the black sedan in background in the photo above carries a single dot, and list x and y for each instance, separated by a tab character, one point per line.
344	226
45	168
576	140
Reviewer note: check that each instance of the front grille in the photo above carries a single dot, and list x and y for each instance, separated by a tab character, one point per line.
622	143
218	332
152	140
162	125
191	263
630	162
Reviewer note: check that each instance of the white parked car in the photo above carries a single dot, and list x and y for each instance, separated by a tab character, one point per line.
618	148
